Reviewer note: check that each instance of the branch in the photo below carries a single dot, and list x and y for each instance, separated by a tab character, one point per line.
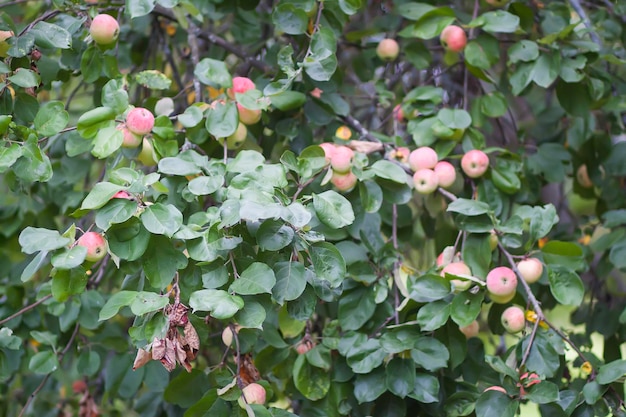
25	309
583	16
356	125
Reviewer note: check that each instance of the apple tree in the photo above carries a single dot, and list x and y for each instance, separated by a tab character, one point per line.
312	208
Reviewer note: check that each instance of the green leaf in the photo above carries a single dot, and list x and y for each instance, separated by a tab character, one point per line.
566	286
564	254
115	96
390	171
290	19
321	64
219	303
290	281
429	288
222	121
524	51
90	123
274	235
429	23
43	363
8	341
146	302
367	387
328	263
117	301
498	21
468	207
356	307
107	141
426	388
34	165
333	209
162	219
430	354
34	265
252	316
256	279
51	118
99	195
466	307
400	376
48	35
117	211
66	283
433	315
611	372
312	382
161	261
153	79
91	64
575	98
214	73
495	403
8	156
25	78
138	8
543	357
454	118
543	393
34	239
70	258
178	166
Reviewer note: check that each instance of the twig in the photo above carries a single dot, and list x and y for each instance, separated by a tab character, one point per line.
447	194
529	293
192	39
356	125
583	16
530	343
25	309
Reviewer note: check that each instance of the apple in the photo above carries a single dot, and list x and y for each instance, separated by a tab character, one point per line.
147	156
240	85
458	268
343	133
471	330
252	394
344	182
475	163
316	92
227	335
329	150
304	346
446	173
140	121
453	38
341	160
582	176
104	29
248	116
96	246
501	284
530	269
123	194
79	386
423	157
493	240
388	49
425	181
237	139
131	140
400	154
4	45
398	113
495	388
513	319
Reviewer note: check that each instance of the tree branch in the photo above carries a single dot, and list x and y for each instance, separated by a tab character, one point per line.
25	309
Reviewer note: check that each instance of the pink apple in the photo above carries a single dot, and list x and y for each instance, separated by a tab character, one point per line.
458	268
530	269
341	159
398	113
304	346
495	388
400	154
453	38
131	140
227	335
329	150
104	29
344	182
240	85
425	181
123	195
140	121
253	394
96	246
388	49
475	163
423	157
446	173
248	116
513	319
501	284
471	330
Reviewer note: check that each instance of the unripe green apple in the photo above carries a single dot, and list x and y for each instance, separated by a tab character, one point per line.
96	246
388	49
237	139
147	156
104	29
513	319
501	284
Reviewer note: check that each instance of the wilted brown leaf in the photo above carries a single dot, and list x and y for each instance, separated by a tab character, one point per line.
142	358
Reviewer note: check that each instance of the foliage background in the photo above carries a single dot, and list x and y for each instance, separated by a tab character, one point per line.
257	237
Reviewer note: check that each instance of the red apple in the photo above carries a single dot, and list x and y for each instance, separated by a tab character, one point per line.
104	29
344	182
140	121
501	284
329	150
123	194
446	173
458	268
240	85
425	181
513	319
453	38
471	330
398	113
530	269
423	157
341	159
388	49
253	394
96	246
475	163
